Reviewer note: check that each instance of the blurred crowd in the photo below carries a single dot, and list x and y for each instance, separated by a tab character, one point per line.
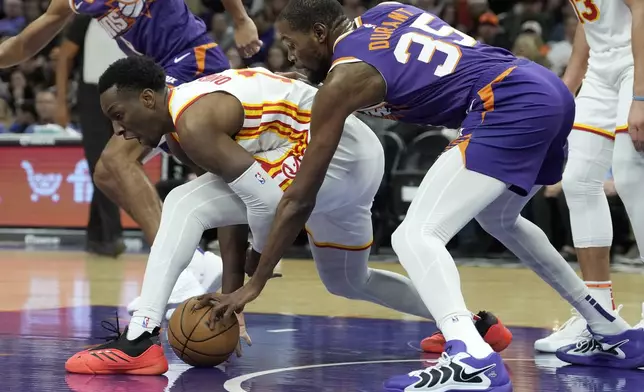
540	30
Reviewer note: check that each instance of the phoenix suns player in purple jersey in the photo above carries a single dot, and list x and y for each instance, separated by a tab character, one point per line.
400	62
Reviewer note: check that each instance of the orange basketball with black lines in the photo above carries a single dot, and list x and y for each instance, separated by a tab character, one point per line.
194	342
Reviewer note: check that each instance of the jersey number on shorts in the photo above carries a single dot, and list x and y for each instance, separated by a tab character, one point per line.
587	11
445	40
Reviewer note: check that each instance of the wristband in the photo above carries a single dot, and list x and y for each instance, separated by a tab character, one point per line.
638	98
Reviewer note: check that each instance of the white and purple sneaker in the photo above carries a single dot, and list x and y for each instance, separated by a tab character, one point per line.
624	351
456	370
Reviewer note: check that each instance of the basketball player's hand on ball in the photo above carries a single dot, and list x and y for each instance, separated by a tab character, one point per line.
636	124
246	37
224	305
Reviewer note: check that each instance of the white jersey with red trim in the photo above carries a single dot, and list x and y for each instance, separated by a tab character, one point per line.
607	24
277	116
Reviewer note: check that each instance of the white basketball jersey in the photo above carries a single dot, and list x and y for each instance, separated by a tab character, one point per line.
277	116
607	23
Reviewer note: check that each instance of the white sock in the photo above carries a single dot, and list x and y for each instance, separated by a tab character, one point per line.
461	327
602	292
140	324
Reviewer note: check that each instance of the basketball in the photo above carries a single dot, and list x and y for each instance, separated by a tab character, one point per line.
194	342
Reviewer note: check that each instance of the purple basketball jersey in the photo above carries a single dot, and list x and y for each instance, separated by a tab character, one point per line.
428	66
161	29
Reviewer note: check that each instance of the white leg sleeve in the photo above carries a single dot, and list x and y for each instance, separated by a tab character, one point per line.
448	198
628	172
589	160
204	203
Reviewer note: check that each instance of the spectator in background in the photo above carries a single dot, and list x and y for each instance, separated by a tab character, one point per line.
5	116
19	90
222	31
88	46
489	32
13	21
25	117
46	116
560	52
526	10
450	16
527	45
278	58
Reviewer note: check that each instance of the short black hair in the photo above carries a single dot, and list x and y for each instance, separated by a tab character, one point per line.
133	73
301	15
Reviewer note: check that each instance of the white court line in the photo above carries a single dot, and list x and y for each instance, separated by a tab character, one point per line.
281	330
234	384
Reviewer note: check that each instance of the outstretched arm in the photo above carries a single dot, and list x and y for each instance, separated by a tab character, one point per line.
36	35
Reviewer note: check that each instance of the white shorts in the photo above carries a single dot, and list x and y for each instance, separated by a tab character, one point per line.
605	97
342	215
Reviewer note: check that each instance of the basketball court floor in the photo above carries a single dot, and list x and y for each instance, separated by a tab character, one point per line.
304	339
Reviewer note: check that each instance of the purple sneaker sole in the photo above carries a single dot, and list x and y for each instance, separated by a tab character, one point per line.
628	345
502	388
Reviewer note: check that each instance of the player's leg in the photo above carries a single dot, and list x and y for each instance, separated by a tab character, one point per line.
448	198
204	203
340	245
340	235
120	175
589	159
503	220
628	165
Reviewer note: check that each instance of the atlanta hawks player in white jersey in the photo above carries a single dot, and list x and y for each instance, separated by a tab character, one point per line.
248	129
603	58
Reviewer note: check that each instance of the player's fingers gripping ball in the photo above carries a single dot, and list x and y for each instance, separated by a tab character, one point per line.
197	342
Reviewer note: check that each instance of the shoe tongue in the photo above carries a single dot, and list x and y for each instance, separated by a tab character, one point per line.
453	347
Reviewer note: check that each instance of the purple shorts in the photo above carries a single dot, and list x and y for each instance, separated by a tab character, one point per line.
518	124
194	63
